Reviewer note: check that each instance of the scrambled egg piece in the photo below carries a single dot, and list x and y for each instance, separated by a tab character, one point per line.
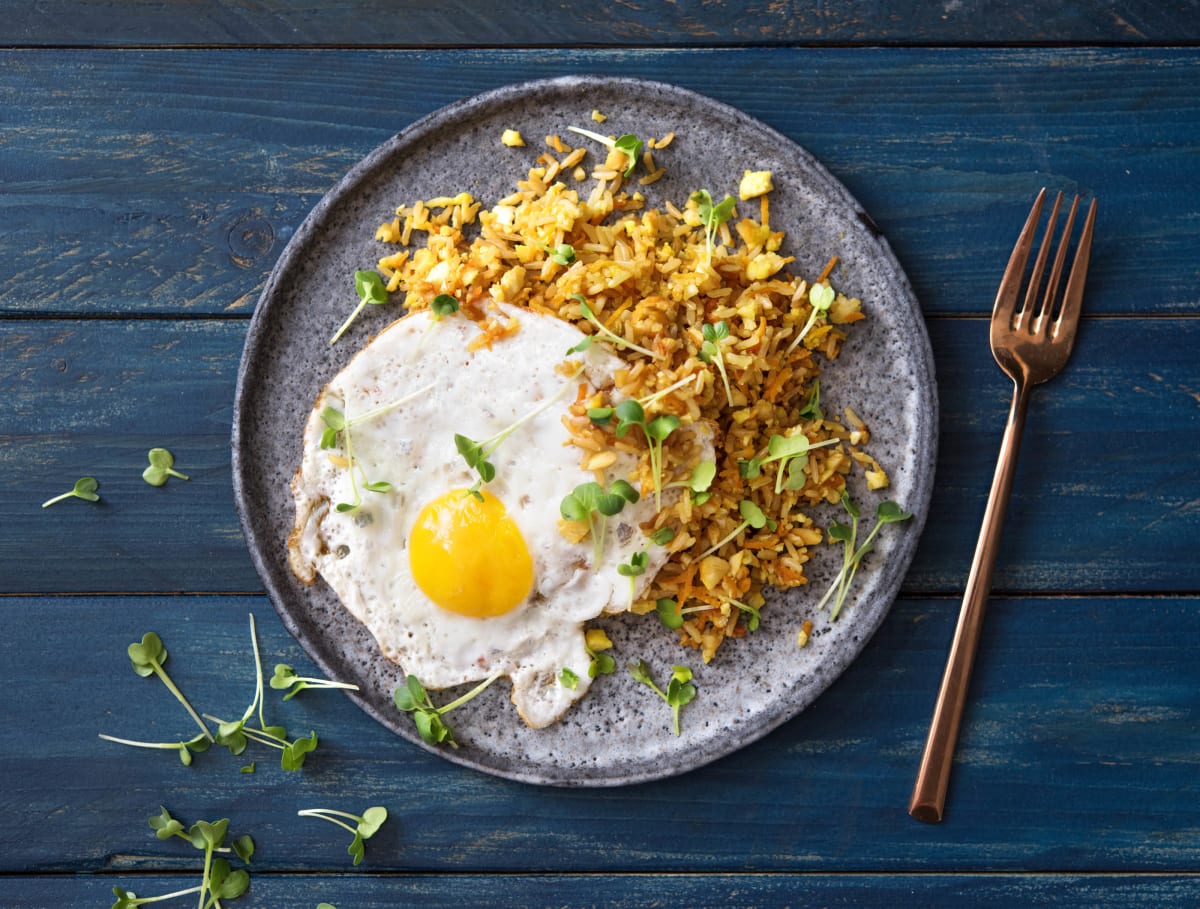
755	183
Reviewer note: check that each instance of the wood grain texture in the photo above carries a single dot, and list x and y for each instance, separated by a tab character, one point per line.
558	23
1074	757
168	182
1105	498
698	891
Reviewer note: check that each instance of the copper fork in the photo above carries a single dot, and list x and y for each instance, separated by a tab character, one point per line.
1031	340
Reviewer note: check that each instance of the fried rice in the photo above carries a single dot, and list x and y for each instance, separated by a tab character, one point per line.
650	275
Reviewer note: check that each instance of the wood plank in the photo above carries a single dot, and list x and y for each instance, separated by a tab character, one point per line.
1084	764
613	891
168	182
547	23
1108	446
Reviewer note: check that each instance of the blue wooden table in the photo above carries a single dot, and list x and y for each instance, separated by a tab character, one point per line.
156	158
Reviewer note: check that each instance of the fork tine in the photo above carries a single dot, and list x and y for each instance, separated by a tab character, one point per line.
1068	317
1044	312
1028	310
1010	284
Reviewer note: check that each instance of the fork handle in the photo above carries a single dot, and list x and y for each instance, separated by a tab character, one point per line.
929	792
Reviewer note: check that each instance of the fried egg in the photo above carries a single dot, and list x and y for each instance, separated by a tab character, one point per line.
457	586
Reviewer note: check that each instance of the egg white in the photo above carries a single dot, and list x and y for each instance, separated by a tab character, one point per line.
362	555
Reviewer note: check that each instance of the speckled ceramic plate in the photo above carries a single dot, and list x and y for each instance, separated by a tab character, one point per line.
620	732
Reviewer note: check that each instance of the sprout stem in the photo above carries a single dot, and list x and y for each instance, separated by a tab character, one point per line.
166	680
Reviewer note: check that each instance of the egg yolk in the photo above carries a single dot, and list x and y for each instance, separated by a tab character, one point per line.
468	556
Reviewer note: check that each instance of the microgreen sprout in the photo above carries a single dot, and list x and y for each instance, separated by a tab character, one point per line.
563	254
669	613
752	516
812	407
218	881
165	827
712	216
186	748
820	297
147	657
602	416
601	328
370	289
443	305
671	616
698	481
476	454
792	454
411	697
711	351
633	569
236	734
630	413
285	677
885	513
337	431
601	663
440	307
365	826
629	144
662	536
568	678
85	488
680	690
162	465
590	503
753	616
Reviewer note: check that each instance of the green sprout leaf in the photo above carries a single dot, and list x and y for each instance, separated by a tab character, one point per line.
370	289
699	481
668	613
633	569
601	664
85	488
443	305
162	464
568	678
563	254
440	307
662	536
294	753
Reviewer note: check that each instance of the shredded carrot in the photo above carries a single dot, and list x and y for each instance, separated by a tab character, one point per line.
776	382
828	270
616	314
685	586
